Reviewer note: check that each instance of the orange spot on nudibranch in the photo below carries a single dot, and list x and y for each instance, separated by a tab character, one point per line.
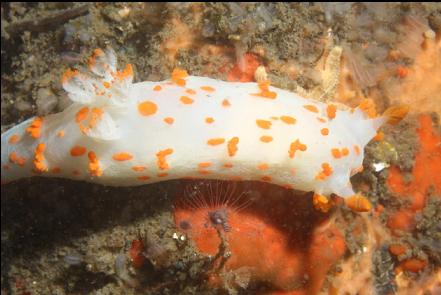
169	120
68	74
94	165
16	159
34	129
204	164
191	91
345	151
186	100
209	120
331	111
336	153
147	108
264	124
178	77
121	75
228	165
81	114
379	136
162	174
138	168
266	138
157	88
77	151
61	133
123	156
106	84
208	88
324	131
357	150
143	177
226	103
162	161
264	90
288	119
326	171
296	146
216	141
262	166
311	108
232	146
39	158
368	106
14	139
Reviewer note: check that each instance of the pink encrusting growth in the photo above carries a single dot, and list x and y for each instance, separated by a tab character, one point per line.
121	133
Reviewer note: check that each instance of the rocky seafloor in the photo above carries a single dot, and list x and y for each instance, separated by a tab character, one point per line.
66	237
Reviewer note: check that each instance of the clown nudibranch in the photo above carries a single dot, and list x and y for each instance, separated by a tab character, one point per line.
120	133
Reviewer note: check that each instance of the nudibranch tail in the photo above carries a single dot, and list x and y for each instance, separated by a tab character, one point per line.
121	133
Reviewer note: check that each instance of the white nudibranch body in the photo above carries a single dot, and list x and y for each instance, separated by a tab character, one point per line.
120	133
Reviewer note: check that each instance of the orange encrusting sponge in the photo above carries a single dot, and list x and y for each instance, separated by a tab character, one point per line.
426	173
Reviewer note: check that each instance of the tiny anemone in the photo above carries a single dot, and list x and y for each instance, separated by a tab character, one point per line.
217	200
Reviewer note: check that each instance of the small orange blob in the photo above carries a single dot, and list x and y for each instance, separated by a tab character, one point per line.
288	120
208	88
204	164
311	108
228	165
357	150
336	153
232	146
94	165
402	72
178	77
138	168
123	156
14	139
413	264
190	91
326	172
16	159
163	174
209	120
61	133
324	131
186	100
147	108
143	177
169	120
331	111
216	141
263	167
226	103
77	151
266	138
379	136
162	161
345	151
81	114
157	88
34	129
296	146
39	164
397	249
358	203
136	251
264	124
